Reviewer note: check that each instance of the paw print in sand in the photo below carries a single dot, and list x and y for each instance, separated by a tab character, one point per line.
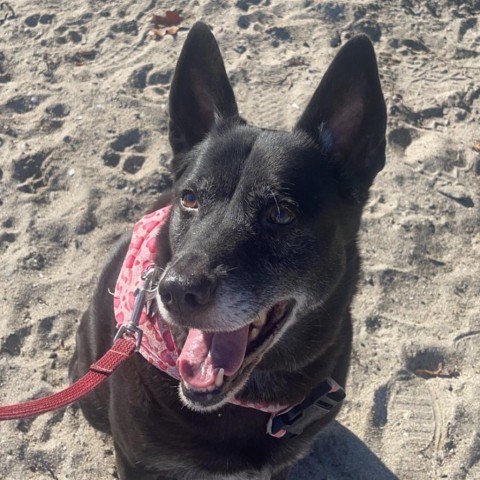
30	172
126	145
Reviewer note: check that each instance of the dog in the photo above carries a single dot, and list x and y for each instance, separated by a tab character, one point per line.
256	263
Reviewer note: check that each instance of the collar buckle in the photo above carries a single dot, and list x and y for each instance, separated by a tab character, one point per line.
319	403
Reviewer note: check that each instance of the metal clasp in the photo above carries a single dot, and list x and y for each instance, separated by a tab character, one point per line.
143	295
322	399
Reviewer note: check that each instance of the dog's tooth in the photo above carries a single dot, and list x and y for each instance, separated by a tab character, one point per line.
253	334
208	389
219	379
260	321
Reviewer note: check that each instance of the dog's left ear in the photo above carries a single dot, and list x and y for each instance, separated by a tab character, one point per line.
347	117
200	90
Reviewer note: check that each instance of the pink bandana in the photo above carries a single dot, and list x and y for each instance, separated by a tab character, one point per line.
157	345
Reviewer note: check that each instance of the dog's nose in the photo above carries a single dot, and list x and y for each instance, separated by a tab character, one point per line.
185	293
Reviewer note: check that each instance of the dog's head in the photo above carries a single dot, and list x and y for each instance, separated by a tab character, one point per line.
263	221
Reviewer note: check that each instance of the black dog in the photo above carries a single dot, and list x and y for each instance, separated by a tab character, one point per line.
260	263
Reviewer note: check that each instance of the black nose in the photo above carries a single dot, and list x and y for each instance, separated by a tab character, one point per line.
185	293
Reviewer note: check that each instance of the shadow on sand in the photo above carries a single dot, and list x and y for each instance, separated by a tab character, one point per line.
339	455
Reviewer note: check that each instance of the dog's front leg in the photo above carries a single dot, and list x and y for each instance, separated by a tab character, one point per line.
126	471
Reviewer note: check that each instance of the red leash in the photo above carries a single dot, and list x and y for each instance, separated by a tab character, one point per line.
126	342
98	373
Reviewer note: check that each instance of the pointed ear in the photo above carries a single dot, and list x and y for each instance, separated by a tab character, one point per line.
347	117
200	90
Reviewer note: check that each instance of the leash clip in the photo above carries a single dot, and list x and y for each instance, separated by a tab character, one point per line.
142	298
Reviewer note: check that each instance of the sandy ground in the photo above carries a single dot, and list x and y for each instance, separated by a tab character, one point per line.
83	151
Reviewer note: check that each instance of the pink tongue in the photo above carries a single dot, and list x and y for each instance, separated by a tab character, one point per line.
205	353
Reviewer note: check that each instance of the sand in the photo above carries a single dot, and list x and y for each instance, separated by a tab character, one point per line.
83	152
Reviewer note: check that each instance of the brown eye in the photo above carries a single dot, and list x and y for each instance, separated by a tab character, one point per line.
189	200
280	216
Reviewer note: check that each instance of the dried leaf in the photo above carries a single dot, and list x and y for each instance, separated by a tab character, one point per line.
83	55
172	31
170	19
296	62
476	147
440	371
159	33
431	373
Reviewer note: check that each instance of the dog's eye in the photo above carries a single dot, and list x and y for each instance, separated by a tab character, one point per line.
189	200
280	216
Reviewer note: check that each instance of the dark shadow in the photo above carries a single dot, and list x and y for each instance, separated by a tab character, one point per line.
340	455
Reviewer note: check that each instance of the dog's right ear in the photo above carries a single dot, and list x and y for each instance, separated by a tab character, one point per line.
200	90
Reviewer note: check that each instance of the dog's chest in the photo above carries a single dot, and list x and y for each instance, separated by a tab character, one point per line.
247	475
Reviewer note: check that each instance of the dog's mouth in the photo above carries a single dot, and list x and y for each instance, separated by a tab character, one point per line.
213	366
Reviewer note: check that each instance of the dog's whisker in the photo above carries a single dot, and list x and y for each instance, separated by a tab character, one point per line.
275	200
